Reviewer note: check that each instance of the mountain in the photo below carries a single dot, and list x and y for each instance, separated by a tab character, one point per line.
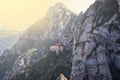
39	40
64	45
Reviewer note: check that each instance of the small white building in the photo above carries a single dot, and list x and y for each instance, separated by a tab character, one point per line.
58	47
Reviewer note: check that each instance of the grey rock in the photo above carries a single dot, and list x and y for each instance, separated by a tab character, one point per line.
94	45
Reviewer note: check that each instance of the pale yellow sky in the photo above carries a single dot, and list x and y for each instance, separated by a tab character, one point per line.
20	14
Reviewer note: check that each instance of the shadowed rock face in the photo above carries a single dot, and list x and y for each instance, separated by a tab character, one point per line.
96	44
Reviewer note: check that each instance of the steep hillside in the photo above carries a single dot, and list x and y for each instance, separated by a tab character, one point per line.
48	68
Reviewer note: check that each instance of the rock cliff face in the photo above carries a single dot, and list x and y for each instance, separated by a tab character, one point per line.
96	44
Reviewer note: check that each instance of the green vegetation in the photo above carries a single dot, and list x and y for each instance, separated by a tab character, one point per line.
49	68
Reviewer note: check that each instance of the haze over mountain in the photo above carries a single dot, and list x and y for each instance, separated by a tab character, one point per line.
66	46
7	39
20	14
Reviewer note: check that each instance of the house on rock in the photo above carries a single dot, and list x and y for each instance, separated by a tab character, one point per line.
58	47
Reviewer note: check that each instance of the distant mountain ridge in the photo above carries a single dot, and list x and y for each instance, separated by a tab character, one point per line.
8	38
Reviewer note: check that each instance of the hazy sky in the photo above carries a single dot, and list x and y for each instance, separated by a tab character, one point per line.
20	14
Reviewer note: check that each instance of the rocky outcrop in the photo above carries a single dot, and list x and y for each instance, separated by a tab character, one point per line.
96	43
61	77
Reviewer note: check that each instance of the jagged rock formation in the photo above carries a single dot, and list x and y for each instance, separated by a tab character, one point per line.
96	44
61	77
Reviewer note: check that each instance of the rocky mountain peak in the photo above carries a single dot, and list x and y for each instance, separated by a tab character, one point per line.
57	9
59	5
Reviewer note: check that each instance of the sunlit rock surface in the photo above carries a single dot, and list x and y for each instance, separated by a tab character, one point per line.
61	77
